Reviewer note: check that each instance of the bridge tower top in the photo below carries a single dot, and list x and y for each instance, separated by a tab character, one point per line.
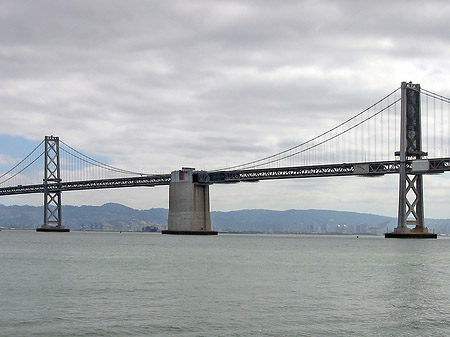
411	130
52	170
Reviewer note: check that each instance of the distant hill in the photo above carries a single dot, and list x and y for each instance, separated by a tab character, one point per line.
294	220
109	216
112	216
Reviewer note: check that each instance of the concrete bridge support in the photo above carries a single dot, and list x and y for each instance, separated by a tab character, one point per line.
189	211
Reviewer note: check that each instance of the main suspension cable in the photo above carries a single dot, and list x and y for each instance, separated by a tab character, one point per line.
309	141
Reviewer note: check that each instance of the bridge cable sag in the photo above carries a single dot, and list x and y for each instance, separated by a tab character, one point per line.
16	174
253	163
4	174
97	163
335	136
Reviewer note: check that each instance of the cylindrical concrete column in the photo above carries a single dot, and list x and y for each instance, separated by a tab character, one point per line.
189	211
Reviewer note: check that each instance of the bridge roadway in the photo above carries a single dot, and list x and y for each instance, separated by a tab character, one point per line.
372	169
346	169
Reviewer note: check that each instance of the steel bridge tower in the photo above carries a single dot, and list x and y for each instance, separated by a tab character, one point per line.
52	199
410	204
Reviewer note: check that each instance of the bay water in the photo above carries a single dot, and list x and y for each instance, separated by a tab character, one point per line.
148	284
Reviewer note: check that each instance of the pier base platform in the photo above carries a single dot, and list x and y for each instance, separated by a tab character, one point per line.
52	229
411	236
174	232
408	233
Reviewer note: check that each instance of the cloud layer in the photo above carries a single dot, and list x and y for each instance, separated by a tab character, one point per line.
156	85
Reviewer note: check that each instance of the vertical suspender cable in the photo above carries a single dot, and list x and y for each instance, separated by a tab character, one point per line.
355	141
442	129
344	137
375	134
434	128
395	128
362	149
388	130
368	137
427	119
381	130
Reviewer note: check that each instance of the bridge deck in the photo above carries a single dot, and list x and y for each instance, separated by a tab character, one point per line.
149	181
346	169
438	165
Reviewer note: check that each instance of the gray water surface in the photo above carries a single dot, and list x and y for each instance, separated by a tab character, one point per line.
146	284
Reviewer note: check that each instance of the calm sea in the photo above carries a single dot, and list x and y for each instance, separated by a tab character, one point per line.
145	284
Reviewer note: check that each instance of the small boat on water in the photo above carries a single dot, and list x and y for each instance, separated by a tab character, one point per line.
151	228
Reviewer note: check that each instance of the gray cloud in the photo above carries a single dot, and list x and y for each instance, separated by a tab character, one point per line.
156	85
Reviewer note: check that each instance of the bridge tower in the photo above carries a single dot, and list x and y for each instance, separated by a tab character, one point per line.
189	211
410	205
52	195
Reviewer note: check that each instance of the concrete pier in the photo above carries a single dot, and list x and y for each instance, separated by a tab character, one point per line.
46	228
411	233
189	212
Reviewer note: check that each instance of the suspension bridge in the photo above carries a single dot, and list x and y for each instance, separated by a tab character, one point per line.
407	132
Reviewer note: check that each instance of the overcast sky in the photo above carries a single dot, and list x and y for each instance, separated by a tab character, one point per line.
156	85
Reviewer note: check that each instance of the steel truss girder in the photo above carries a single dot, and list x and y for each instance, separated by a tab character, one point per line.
149	181
333	170
437	165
